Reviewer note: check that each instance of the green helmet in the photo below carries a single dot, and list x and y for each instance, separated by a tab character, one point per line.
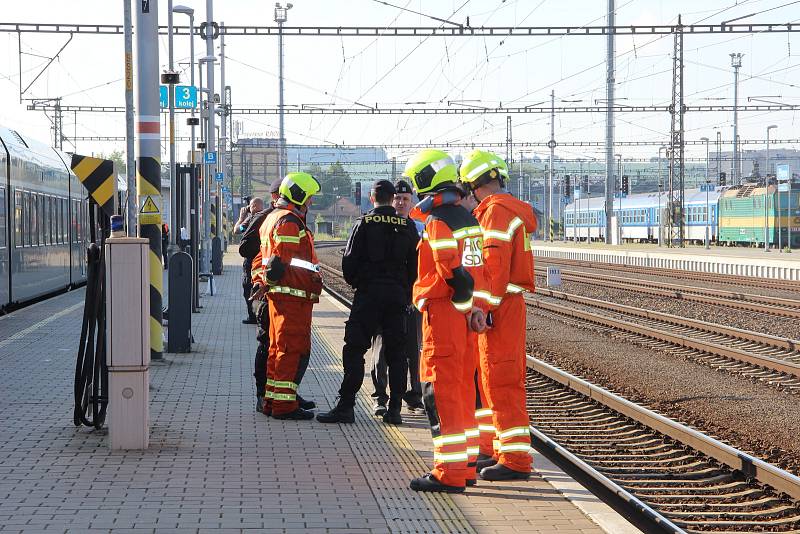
430	170
298	187
479	167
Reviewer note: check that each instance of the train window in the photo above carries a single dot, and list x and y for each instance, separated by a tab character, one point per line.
64	220
29	222
45	206
3	217
18	218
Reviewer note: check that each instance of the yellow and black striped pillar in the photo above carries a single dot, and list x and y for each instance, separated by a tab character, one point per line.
97	176
148	189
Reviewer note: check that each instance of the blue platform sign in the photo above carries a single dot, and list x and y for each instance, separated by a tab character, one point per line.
783	172
163	96
185	96
225	189
707	188
210	158
219	177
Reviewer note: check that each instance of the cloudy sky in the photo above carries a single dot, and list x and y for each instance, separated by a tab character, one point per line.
436	70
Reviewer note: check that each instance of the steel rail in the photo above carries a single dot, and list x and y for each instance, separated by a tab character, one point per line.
709	347
731	299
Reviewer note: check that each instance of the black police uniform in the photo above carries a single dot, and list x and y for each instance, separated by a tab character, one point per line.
380	262
249	247
247	266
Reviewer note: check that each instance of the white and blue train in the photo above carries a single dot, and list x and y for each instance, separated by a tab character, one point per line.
639	216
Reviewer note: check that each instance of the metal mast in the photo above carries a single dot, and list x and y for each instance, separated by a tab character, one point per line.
609	204
677	162
736	63
552	145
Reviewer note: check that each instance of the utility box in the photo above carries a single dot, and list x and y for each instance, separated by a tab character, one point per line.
128	341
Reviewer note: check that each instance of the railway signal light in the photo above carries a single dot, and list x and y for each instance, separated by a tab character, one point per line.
625	185
567	186
357	194
585	184
722	178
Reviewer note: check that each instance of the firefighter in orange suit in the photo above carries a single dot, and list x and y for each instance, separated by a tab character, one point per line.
444	294
292	284
507	224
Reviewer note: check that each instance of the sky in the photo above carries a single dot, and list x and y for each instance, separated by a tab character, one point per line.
437	70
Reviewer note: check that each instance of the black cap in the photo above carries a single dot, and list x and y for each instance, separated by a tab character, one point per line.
275	185
383	186
401	186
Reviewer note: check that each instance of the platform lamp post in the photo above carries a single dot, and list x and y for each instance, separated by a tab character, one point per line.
618	188
766	193
210	145
280	17
708	183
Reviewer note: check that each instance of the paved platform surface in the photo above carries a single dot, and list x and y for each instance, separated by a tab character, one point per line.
214	464
692	250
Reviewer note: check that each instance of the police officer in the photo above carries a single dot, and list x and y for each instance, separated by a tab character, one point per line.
380	263
403	202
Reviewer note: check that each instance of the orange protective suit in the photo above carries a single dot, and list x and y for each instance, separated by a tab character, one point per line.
450	244
508	269
291	299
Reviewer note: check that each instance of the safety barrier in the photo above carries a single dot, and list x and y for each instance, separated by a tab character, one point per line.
730	265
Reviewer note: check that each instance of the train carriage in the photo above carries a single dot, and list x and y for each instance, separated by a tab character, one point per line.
743	215
43	220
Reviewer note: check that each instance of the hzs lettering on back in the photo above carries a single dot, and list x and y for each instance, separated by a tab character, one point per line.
473	252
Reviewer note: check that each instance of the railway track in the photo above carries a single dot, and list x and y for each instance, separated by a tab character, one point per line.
666	476
783	307
769	359
734	280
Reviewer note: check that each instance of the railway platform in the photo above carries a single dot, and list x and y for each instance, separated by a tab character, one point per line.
736	261
215	465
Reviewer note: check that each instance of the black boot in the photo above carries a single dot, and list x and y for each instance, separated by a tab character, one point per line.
298	415
485	461
430	483
501	472
338	414
379	408
306	404
393	417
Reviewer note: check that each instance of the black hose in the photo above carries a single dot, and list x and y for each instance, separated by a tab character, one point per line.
91	371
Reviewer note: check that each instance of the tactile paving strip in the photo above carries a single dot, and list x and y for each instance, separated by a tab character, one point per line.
406	511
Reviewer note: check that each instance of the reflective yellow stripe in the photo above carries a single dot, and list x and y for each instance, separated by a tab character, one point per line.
282	396
468	231
516	431
292	291
472	433
440	244
463	306
450	457
507	235
419	304
488	297
473	451
516	447
511	288
282	384
286	239
486	428
439	441
483	412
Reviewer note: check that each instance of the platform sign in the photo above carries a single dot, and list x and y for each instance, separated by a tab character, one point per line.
219	177
225	189
553	276
783	172
210	158
707	188
185	96
163	96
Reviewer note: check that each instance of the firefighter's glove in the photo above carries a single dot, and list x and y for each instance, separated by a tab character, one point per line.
462	284
275	269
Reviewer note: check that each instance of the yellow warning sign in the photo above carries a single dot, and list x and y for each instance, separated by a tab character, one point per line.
148	206
149	212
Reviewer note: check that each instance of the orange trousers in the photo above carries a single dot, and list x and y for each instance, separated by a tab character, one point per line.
289	352
447	373
502	361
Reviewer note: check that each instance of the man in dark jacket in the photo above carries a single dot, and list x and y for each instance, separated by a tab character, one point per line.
380	263
256	205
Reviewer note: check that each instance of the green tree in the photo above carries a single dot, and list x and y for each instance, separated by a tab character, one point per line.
119	159
335	182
